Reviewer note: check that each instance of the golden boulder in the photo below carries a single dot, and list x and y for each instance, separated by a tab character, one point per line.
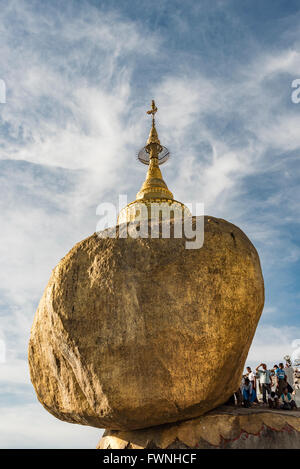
132	333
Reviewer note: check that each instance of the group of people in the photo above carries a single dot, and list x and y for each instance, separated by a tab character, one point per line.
276	386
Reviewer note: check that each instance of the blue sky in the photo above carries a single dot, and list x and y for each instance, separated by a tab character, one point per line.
79	77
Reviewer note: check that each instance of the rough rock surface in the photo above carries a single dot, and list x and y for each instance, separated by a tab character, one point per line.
225	427
132	333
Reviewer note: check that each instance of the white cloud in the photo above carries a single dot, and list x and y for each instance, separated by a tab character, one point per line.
14	371
30	426
271	344
286	61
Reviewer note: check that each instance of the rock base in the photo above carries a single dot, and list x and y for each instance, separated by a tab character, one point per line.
223	428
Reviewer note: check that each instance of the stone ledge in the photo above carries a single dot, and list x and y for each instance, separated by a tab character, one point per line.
225	427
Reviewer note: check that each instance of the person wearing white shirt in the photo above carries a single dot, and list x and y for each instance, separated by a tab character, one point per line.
252	378
265	379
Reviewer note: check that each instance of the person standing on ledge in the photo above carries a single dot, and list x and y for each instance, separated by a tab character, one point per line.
289	371
252	378
248	392
281	379
265	379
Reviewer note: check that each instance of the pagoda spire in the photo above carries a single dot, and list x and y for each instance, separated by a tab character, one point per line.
154	187
154	192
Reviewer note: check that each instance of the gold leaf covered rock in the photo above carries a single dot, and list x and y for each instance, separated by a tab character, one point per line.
132	333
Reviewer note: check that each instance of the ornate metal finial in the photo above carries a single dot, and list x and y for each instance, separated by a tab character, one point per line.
153	111
153	137
153	148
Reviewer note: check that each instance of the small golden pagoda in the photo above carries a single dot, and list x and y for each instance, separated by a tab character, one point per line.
154	195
